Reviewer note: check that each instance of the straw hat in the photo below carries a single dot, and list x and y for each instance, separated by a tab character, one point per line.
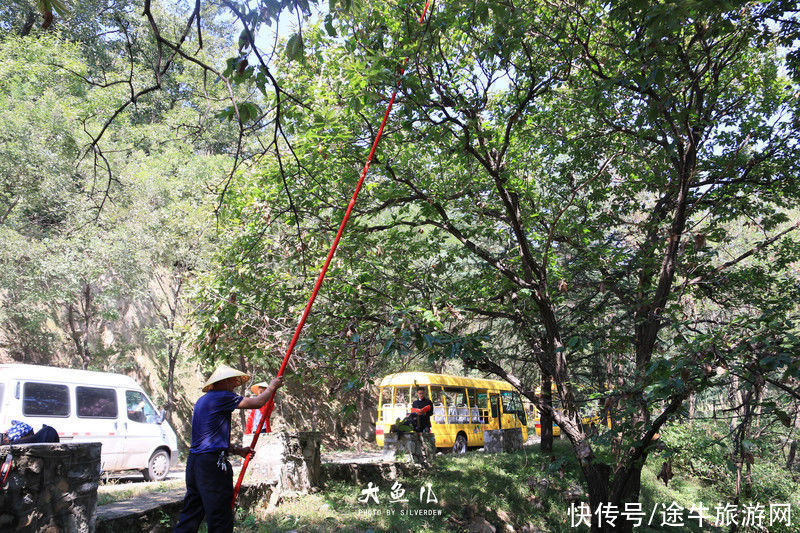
255	387
224	372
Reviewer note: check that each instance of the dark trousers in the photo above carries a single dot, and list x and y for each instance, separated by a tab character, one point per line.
209	493
46	434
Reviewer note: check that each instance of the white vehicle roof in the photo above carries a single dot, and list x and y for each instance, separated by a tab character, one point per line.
55	374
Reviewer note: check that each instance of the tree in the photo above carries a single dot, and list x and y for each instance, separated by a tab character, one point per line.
579	172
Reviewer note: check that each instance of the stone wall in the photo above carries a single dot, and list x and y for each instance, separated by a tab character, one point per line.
51	488
502	440
417	448
290	460
362	473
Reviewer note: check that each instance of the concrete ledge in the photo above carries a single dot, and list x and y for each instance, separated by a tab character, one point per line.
159	511
141	513
361	473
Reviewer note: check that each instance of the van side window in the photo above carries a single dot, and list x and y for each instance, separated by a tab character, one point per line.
96	403
45	399
139	409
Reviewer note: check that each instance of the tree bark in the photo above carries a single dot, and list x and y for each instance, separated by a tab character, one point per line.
545	418
30	18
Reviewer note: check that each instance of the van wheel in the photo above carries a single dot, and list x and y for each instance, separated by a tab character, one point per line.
460	445
157	467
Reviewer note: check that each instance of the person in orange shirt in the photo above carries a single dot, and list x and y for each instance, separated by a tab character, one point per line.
254	416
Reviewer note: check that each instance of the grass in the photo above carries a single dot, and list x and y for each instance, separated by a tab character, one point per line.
112	492
492	486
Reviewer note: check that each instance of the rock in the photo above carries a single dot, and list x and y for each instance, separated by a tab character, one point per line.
493	440
502	440
479	524
573	494
292	459
535	502
512	439
51	487
538	485
409	447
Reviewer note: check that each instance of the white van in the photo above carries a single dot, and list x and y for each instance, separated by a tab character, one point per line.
85	406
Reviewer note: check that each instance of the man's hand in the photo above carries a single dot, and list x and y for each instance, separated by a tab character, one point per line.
242	451
257	402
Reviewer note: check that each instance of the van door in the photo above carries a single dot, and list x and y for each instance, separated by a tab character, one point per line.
143	433
98	414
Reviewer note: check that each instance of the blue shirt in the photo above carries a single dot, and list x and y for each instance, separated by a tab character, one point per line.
211	421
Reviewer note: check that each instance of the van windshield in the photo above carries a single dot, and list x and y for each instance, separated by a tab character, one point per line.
140	409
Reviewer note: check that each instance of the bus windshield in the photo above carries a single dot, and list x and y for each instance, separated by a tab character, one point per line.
513	404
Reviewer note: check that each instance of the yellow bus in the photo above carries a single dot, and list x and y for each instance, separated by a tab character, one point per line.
463	408
589	417
537	418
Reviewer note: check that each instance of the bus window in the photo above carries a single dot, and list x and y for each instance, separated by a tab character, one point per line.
495	404
456	401
472	402
401	396
512	404
437	397
384	397
483	405
397	407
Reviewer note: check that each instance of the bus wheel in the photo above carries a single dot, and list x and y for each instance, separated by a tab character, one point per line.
460	445
157	467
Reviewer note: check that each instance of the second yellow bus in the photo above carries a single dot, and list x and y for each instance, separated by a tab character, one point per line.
463	408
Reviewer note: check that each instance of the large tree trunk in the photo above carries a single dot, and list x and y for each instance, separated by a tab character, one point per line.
171	360
79	323
30	18
361	413
546	444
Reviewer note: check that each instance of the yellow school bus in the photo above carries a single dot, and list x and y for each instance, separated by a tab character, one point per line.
589	418
537	418
463	408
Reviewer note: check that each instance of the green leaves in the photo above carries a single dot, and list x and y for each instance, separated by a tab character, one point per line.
329	25
248	112
295	50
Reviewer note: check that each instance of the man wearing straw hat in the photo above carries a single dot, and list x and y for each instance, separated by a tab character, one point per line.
209	477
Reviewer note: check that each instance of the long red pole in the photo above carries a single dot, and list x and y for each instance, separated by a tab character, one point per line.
266	411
